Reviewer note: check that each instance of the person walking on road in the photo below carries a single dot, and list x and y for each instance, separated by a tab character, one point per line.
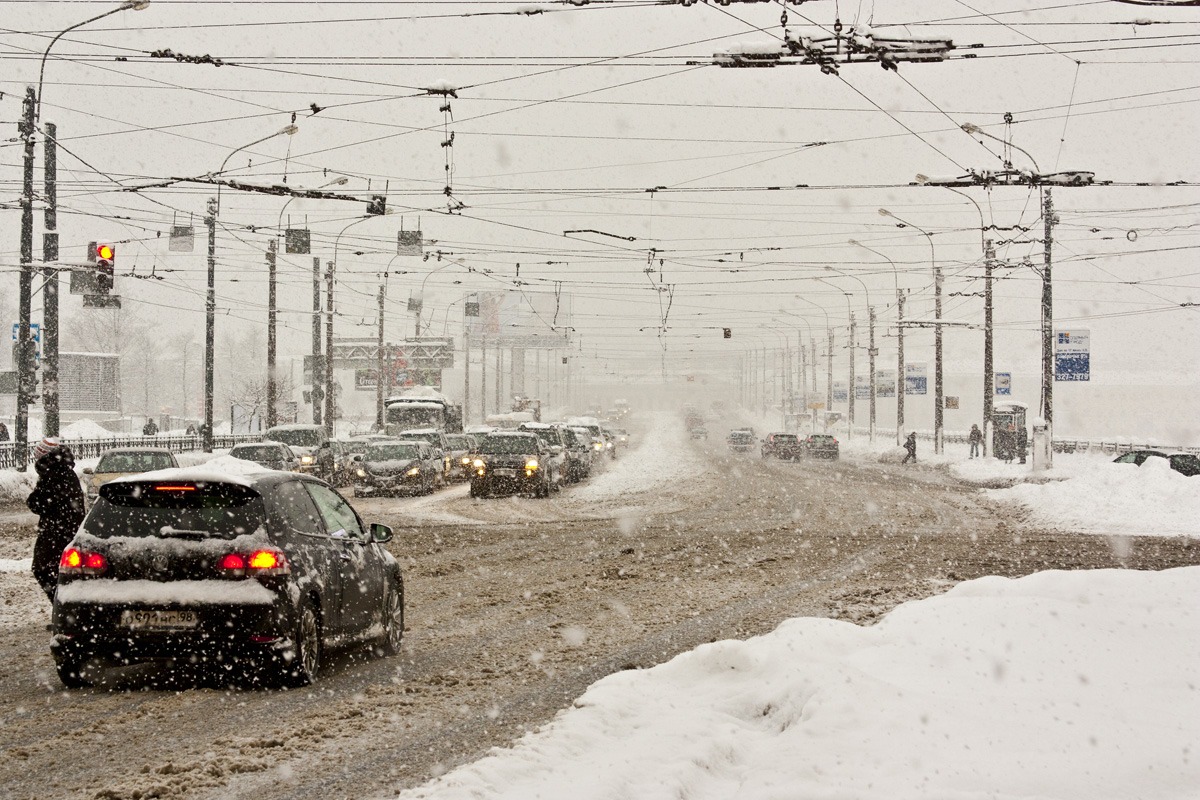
910	445
976	439
57	499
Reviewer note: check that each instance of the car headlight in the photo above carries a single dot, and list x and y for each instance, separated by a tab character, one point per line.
306	460
466	461
362	473
414	472
598	445
478	463
531	464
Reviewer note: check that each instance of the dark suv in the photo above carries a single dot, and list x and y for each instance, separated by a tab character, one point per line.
512	461
821	445
781	445
247	575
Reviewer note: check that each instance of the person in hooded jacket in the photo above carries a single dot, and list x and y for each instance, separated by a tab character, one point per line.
57	499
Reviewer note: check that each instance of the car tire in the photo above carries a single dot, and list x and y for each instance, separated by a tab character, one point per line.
306	649
393	621
70	672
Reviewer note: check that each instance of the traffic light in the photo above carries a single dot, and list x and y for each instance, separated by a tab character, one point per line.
377	205
727	333
106	258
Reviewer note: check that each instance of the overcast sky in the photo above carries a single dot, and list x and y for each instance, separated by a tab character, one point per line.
565	119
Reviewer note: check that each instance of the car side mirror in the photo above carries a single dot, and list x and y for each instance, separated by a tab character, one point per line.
556	449
89	471
356	457
380	533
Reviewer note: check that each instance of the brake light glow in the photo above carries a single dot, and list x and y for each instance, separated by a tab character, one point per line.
174	488
81	562
260	562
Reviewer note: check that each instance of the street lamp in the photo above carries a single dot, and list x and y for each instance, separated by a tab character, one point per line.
871	351
988	260
851	383
214	211
900	382
937	330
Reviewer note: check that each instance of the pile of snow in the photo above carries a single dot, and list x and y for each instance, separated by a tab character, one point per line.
1152	499
15	564
16	486
85	429
663	456
1057	685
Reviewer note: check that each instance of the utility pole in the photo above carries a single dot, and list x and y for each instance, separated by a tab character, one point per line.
871	352
852	384
1048	328
50	294
318	371
499	375
901	381
272	382
829	378
483	379
330	402
989	375
939	401
210	314
25	302
379	362
466	375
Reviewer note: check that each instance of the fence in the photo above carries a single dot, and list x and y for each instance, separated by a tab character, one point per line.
1111	447
10	458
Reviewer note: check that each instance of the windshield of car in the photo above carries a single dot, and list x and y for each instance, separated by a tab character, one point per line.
432	437
295	438
392	452
134	462
547	435
174	508
516	445
258	452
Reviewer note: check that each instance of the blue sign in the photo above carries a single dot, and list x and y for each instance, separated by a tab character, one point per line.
1003	383
35	331
1072	355
916	378
840	395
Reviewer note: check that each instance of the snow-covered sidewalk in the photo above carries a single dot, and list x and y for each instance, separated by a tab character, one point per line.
1060	685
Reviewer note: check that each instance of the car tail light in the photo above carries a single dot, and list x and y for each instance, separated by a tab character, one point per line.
81	562
260	562
174	487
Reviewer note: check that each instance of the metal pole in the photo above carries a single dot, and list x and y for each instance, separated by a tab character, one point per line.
379	364
25	290
871	365
483	380
318	370
50	297
330	402
901	382
829	378
852	384
989	375
466	375
272	316
210	314
938	392
1048	328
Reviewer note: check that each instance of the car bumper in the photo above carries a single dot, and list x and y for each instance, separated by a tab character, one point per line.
378	485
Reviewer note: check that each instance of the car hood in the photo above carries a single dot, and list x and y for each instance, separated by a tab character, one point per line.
389	468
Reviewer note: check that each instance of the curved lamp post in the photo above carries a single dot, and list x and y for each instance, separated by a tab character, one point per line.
899	342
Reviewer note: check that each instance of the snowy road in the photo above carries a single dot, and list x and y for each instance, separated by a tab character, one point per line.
515	606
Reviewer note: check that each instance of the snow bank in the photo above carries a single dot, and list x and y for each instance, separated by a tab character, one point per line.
85	429
15	564
16	486
664	455
1113	498
1058	685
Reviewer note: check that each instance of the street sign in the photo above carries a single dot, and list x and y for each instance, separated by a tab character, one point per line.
297	241
862	387
1072	355
816	406
885	383
951	402
840	395
1003	383
35	331
916	378
409	243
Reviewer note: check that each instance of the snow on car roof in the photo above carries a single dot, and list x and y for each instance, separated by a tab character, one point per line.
158	450
223	469
299	426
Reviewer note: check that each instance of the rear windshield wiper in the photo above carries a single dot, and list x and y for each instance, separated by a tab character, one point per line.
166	531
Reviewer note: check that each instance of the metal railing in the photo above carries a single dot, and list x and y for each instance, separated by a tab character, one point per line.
1110	447
11	458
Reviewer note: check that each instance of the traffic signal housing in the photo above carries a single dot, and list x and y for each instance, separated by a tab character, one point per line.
106	260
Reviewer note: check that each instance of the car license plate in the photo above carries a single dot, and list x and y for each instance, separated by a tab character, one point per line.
508	473
159	620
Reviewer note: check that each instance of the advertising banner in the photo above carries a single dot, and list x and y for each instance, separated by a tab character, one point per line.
916	378
862	387
839	392
1072	355
885	383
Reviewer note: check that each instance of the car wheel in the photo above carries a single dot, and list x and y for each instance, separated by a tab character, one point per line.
306	649
70	672
393	621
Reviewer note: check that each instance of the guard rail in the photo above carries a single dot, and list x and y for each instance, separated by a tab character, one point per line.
11	458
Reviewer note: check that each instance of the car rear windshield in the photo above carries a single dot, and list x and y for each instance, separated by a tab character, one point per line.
784	438
547	435
391	452
180	509
821	438
134	462
301	438
502	445
266	452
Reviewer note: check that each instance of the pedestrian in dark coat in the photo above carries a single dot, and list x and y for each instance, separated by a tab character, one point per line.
976	440
910	444
3	432
57	499
1022	443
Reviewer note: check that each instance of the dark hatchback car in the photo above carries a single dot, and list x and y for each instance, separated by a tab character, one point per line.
1184	463
250	577
511	462
272	455
400	467
821	445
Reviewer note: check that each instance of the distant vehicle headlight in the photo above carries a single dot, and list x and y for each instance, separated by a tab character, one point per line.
362	473
598	445
414	472
306	460
466	460
478	463
531	464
